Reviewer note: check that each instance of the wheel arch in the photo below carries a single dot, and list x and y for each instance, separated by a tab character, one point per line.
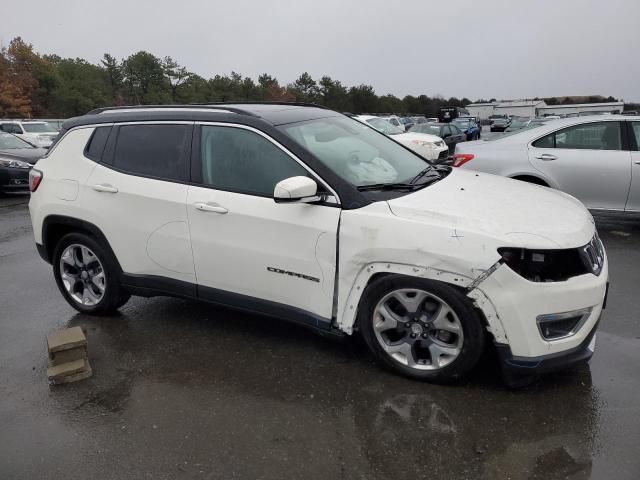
54	227
531	178
347	315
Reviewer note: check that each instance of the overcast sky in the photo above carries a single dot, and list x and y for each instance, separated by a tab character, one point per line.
477	48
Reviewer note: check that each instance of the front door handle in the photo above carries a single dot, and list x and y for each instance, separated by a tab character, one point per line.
104	187
210	207
637	162
546	157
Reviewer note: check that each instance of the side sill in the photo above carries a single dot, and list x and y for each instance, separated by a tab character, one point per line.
151	285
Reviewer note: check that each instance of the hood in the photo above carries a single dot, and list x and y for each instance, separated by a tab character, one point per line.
411	136
30	155
515	213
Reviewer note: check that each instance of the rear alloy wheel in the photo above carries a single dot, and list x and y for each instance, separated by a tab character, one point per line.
421	328
82	274
87	275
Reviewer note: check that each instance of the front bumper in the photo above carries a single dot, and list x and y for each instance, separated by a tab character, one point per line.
517	303
514	366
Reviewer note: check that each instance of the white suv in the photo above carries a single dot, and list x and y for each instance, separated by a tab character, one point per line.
302	213
39	134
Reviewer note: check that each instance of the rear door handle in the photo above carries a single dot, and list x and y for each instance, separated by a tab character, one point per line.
546	156
104	187
210	207
637	162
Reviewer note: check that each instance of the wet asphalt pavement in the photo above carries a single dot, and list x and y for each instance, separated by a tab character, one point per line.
187	390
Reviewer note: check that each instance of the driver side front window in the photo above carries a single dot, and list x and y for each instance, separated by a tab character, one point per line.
239	160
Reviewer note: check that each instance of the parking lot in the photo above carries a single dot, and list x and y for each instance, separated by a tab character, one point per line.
187	390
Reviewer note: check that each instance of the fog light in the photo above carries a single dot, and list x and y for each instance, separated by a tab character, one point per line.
554	326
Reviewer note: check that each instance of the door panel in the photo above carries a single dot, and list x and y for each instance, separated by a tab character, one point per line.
587	162
244	242
283	253
633	203
144	220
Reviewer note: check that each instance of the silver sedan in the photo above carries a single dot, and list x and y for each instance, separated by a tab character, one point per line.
595	159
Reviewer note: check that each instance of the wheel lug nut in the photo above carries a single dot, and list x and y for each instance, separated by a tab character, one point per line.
424	335
407	324
413	335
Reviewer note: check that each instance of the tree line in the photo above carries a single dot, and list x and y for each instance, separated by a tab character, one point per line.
49	86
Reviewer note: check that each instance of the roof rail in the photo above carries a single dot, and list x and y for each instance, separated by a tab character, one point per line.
97	111
258	102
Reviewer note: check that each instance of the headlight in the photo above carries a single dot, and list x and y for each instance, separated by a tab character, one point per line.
555	265
14	163
422	143
439	144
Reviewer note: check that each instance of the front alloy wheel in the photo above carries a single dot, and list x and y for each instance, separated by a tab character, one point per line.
418	329
421	328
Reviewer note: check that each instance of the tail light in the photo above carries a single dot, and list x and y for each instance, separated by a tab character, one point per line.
460	159
35	178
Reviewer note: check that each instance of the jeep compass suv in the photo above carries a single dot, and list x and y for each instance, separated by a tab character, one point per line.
302	213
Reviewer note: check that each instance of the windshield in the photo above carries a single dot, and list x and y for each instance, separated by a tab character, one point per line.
38	127
355	152
384	126
463	124
10	142
430	129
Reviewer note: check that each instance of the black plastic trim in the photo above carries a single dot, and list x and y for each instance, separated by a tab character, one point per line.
43	252
151	285
51	221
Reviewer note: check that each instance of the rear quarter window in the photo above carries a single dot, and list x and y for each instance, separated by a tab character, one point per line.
95	145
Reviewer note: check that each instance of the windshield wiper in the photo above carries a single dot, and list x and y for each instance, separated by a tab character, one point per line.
422	173
386	186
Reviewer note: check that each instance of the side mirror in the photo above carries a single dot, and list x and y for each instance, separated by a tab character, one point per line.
296	190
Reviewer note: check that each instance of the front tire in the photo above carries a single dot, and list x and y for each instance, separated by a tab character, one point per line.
87	275
420	328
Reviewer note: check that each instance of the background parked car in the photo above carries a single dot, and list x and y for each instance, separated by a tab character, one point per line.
518	123
407	123
428	146
500	124
16	159
418	120
447	114
395	121
468	126
449	132
40	134
595	159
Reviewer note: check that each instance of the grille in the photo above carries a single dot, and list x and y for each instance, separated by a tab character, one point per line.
443	155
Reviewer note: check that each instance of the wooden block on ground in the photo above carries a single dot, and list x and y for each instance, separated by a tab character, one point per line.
69	372
66	356
66	339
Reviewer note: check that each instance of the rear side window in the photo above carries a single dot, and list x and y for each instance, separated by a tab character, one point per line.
588	136
238	160
152	150
547	141
95	145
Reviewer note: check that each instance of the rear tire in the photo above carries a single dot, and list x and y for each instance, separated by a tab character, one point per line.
422	329
87	275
